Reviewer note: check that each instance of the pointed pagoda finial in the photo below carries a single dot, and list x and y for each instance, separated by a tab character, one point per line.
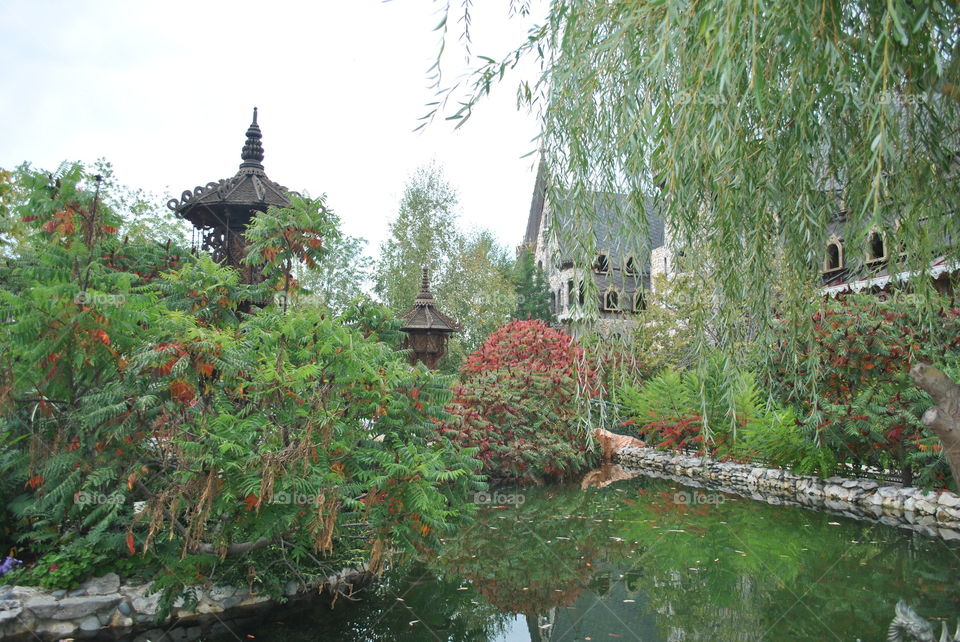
252	153
424	296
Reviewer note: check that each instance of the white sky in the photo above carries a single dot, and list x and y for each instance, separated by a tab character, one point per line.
165	91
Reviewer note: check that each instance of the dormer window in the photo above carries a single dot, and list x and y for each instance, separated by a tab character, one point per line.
630	267
834	259
602	264
876	247
611	300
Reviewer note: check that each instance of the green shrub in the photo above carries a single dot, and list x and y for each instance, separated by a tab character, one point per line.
848	376
284	441
706	408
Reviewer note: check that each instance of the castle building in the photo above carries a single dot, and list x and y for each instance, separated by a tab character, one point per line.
852	269
611	290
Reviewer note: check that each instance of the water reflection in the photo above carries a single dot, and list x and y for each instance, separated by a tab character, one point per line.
620	558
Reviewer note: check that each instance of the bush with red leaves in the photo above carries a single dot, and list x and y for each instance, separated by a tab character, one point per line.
519	404
857	398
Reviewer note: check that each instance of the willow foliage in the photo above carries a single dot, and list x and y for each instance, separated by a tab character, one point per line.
752	125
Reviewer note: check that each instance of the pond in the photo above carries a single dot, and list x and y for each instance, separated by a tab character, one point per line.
644	559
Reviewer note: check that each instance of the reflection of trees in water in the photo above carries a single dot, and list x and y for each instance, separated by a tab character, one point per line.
531	558
703	572
628	560
738	567
434	602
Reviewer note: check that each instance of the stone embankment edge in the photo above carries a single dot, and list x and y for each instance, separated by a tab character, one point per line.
104	608
936	514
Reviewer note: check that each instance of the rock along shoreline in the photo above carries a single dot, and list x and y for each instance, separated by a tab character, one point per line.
103	608
936	514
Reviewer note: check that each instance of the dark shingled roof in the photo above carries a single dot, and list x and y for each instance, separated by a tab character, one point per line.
536	206
612	227
249	190
424	315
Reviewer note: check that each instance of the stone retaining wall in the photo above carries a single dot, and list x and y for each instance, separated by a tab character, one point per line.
103	608
934	513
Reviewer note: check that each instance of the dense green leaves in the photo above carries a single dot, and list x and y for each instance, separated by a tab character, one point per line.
533	291
853	390
753	126
285	440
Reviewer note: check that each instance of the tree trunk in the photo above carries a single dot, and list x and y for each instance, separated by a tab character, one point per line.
943	418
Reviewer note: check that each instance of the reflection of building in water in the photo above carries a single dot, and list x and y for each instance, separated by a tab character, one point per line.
612	608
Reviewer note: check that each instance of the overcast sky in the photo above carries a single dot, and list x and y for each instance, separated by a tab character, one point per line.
165	91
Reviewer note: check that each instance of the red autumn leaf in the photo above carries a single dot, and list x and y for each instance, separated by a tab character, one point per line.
130	545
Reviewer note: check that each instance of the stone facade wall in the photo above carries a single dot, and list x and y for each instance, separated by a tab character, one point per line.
103	608
934	513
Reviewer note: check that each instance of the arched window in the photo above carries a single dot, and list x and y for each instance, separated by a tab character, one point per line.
569	294
582	291
539	265
553	301
639	301
630	267
876	247
602	264
611	300
834	259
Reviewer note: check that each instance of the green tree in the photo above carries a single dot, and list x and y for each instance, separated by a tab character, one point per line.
469	273
283	438
340	277
754	125
533	291
478	293
424	233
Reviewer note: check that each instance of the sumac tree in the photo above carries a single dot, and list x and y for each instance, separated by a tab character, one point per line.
272	445
851	383
519	403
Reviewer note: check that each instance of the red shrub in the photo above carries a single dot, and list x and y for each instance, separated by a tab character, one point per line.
519	403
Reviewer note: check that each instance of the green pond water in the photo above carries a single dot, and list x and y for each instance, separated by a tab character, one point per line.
629	562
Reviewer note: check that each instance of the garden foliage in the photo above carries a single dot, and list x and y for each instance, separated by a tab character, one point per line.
518	403
842	402
709	409
850	382
264	447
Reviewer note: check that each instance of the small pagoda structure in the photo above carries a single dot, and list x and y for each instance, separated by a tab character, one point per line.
427	328
220	212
